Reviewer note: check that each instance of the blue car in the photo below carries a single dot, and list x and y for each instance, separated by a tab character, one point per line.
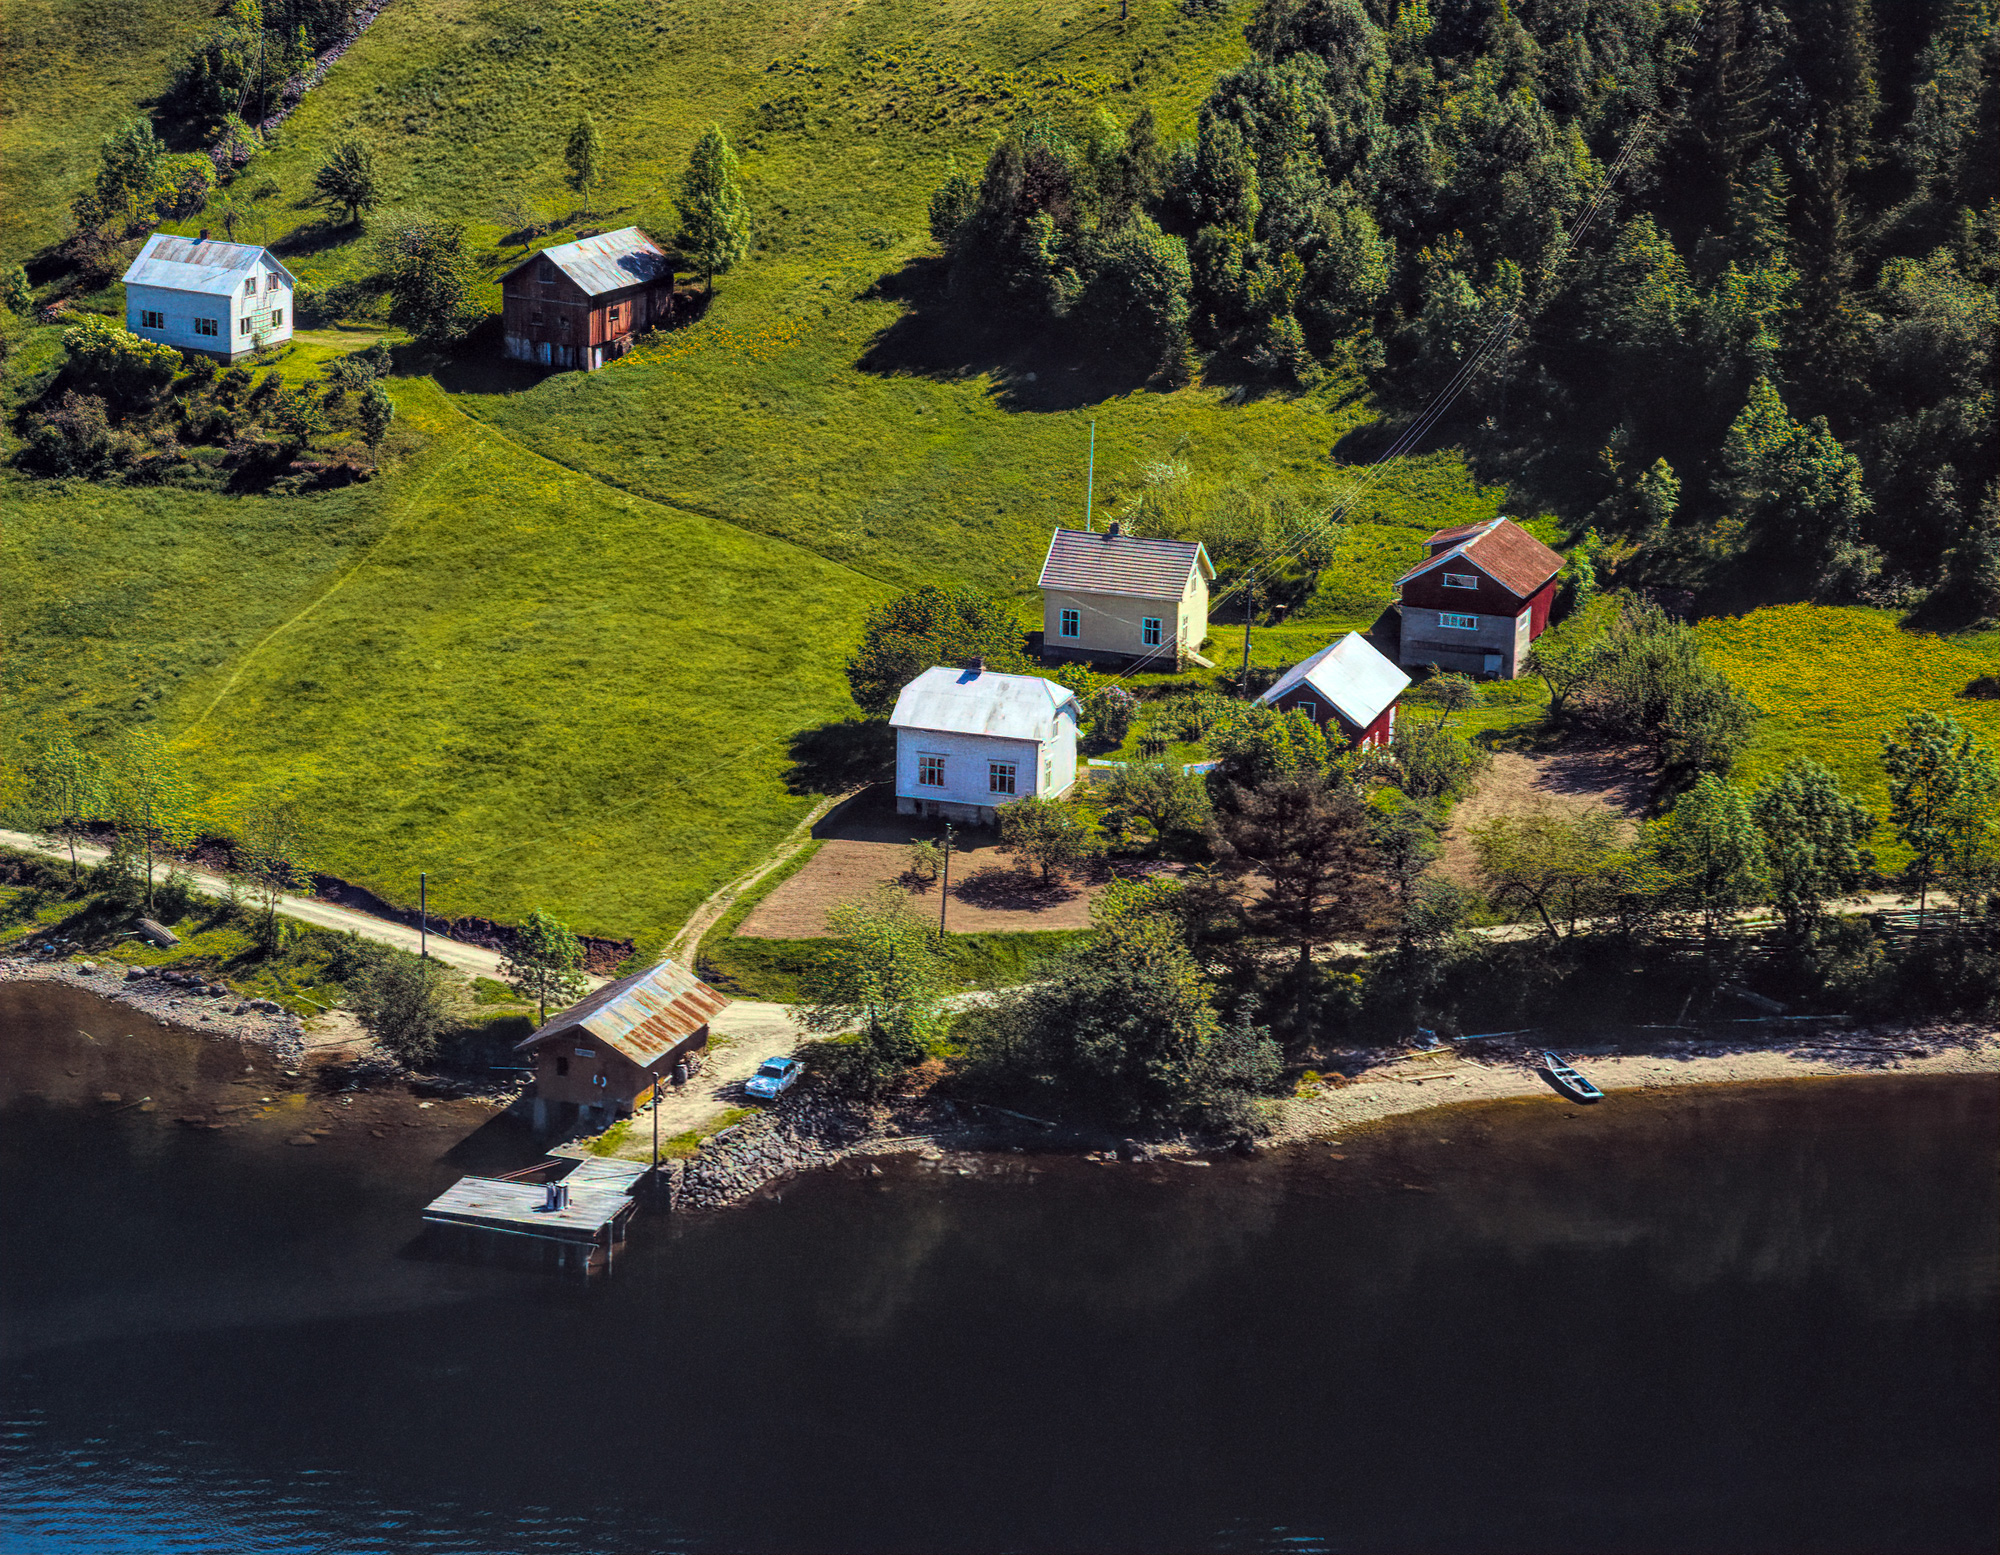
772	1076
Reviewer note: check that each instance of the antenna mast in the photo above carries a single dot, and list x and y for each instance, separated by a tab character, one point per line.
1090	480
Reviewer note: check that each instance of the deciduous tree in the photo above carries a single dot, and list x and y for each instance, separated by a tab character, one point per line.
884	975
1942	784
152	801
715	219
1161	794
409	1005
1814	841
545	963
346	180
1559	868
272	845
929	626
430	279
67	790
1052	834
1711	853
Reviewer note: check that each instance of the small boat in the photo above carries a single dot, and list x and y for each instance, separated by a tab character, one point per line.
1568	1081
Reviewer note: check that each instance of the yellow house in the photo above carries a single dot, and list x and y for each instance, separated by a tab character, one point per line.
1113	598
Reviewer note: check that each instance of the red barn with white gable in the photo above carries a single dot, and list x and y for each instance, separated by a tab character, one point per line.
1348	688
1479	600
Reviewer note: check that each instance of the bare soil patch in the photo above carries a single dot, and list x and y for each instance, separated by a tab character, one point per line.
1592	777
866	848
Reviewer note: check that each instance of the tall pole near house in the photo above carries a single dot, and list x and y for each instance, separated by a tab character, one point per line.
1090	479
944	881
1249	612
423	916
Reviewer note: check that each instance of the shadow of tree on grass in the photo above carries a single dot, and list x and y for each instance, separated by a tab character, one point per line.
833	758
937	337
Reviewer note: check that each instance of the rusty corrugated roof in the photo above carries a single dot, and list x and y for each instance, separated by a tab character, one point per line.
642	1016
609	262
1504	551
1108	563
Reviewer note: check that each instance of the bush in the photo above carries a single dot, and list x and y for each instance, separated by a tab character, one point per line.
1653	681
1109	710
409	1005
105	358
1428	761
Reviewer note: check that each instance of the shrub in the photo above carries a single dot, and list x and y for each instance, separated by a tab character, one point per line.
109	360
1428	761
1109	710
409	1005
1654	682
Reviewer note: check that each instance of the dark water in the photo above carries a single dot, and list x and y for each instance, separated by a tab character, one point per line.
1756	1319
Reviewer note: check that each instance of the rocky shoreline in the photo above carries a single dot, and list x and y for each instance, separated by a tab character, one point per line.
174	998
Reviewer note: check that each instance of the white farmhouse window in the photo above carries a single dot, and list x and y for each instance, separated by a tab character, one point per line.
930	771
243	326
270	283
1149	631
1072	623
1458	622
277	318
148	319
250	287
207	327
999	777
1310	709
1461	580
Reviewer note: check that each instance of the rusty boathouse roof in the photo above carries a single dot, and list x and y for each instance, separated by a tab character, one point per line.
641	1017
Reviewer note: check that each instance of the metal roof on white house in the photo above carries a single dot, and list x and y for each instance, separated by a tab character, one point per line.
192	265
1110	562
609	262
968	701
1352	675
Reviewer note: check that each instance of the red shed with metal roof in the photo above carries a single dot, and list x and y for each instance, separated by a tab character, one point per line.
582	304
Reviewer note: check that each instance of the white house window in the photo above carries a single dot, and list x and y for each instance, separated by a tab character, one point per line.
1459	622
1310	709
148	319
930	771
1149	631
250	287
1072	623
277	318
243	327
206	327
999	777
270	283
1461	580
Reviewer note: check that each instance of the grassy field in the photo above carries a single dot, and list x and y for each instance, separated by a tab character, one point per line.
556	653
71	71
1831	682
541	690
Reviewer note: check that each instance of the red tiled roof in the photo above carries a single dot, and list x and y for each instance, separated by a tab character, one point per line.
1453	536
1107	563
1503	550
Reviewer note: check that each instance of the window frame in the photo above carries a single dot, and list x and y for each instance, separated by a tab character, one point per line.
277	318
152	318
927	762
562	1063
243	325
250	286
1457	621
1069	624
1461	580
1309	708
1152	631
209	329
1007	772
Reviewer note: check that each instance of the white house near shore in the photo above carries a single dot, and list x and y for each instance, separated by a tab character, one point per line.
969	741
225	299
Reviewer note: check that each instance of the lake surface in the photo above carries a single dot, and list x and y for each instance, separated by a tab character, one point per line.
1746	1319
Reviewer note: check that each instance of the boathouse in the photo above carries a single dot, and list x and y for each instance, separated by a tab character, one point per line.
602	1057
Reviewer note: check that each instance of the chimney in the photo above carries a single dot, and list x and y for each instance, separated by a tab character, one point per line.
976	665
1114	531
204	236
555	1195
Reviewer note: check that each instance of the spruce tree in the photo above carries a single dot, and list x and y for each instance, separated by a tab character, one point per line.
584	155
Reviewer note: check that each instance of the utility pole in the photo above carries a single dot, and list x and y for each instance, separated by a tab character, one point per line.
1090	479
656	1131
944	880
423	916
1249	613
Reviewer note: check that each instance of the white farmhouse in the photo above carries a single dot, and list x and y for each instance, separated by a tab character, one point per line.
222	298
970	740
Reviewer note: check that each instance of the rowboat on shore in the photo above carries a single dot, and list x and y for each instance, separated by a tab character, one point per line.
1568	1081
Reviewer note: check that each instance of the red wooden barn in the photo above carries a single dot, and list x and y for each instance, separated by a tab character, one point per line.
582	304
1479	600
1348	688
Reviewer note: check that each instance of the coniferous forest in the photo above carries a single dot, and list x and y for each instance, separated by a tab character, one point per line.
1716	281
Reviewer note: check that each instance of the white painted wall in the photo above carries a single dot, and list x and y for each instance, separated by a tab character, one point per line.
181	309
1041	766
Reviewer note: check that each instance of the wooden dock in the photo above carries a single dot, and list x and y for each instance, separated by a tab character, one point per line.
579	1226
